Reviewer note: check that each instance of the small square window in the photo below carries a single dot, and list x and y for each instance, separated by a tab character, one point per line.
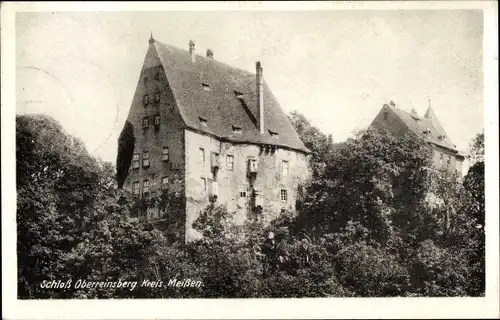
135	161
157	120
230	162
135	188
145	122
283	195
164	183
145	100
145	187
204	184
165	154
145	159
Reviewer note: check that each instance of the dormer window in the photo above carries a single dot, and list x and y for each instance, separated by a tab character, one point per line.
238	94
203	121
236	129
206	86
272	133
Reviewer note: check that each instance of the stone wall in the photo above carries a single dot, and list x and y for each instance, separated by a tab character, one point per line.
269	178
169	133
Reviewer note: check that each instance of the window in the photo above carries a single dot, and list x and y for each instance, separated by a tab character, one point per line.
145	187
202	156
145	159
206	86
230	162
164	154
145	100
252	165
157	76
283	195
203	121
448	160
214	189
236	129
135	188
214	160
157	96
204	184
135	161
238	94
284	167
441	156
157	120
145	122
386	115
243	191
164	183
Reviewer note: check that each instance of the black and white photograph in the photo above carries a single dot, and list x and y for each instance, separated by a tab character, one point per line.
248	153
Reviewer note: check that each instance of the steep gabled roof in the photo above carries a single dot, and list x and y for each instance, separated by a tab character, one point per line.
214	97
429	123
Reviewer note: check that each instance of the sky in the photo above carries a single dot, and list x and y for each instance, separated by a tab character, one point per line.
336	67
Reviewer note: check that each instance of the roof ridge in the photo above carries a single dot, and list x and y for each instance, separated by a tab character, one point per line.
206	58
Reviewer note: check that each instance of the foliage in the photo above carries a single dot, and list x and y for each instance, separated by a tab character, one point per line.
126	143
72	219
320	144
376	221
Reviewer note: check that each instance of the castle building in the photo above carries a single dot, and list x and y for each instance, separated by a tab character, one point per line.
399	122
203	128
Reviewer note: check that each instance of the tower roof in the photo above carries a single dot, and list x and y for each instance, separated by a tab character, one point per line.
429	126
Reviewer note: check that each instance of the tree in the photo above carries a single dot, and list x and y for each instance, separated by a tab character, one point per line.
72	220
320	144
373	180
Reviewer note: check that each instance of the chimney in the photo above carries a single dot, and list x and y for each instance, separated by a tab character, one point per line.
210	54
260	95
192	50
